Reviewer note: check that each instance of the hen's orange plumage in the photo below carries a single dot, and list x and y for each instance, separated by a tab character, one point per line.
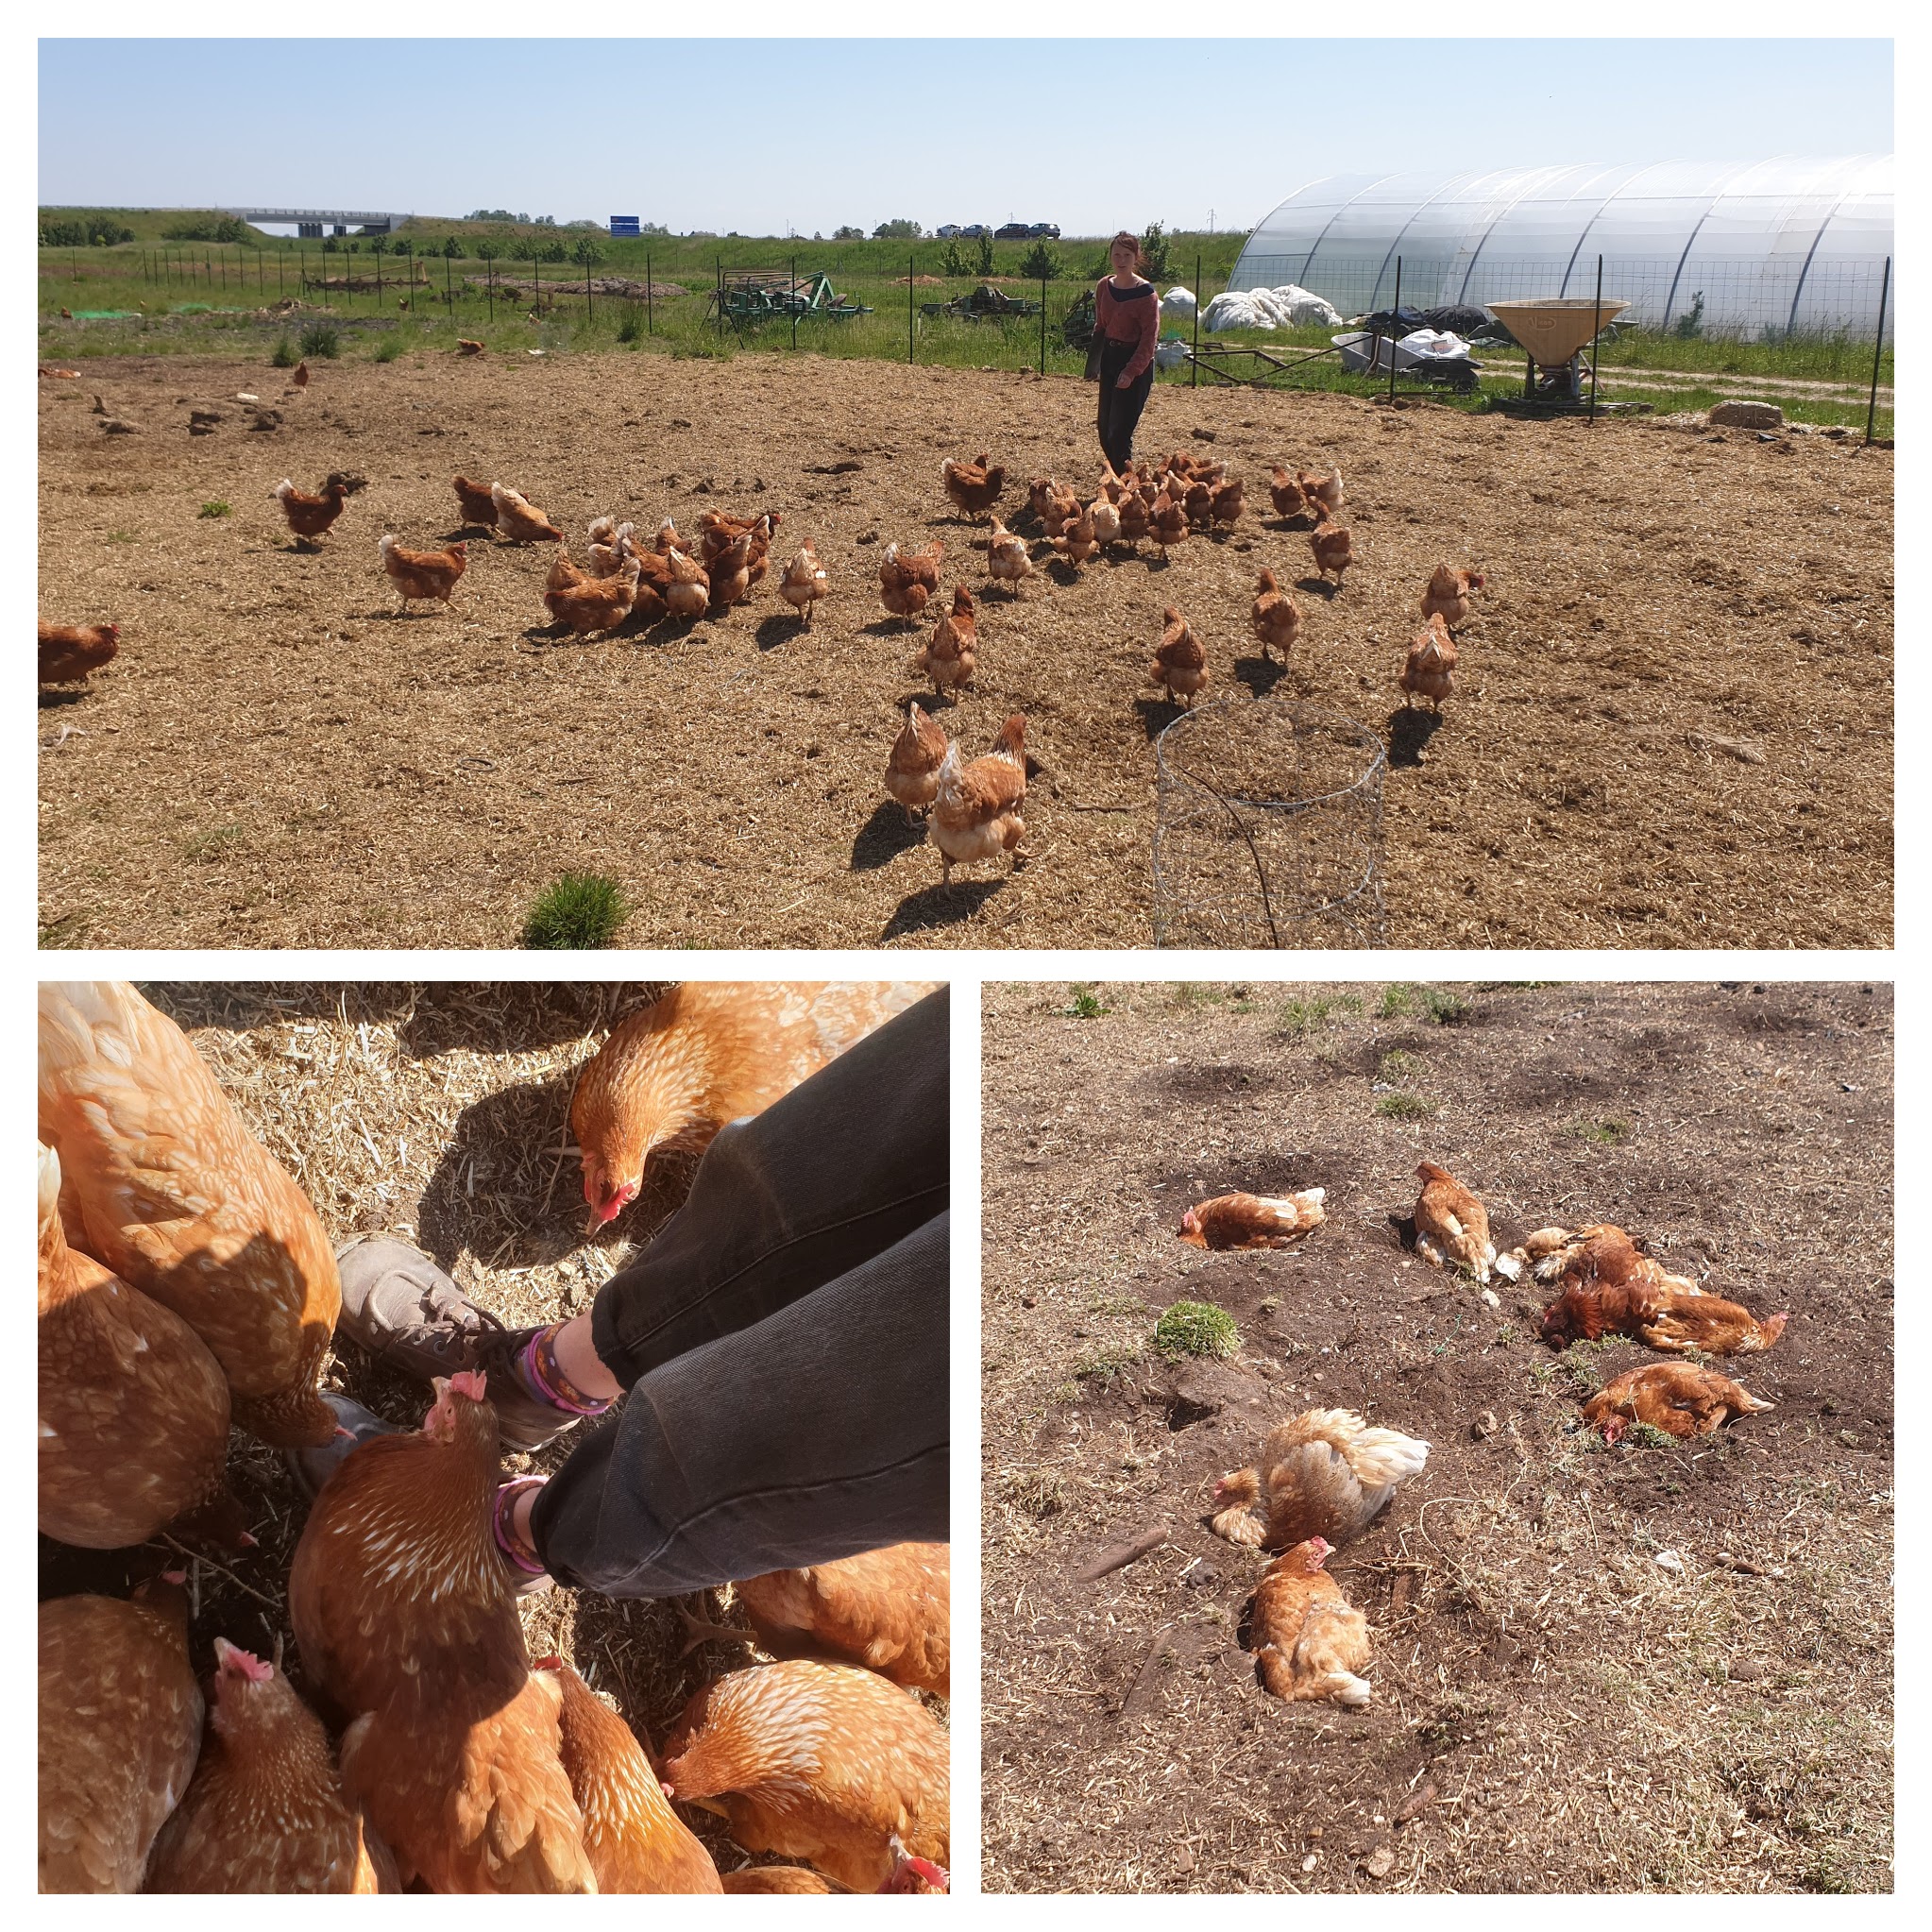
1180	660
1334	547
428	576
1308	1642
912	769
974	486
133	1408
1676	1397
636	1842
1253	1220
519	520
976	811
1451	1220
949	658
1285	493
1427	670
707	1051
1667	1318
265	1811
888	1610
907	584
803	581
1447	594
1327	1473
71	652
120	1721
162	1183
310	517
1276	621
479	506
405	1613
777	1878
818	1761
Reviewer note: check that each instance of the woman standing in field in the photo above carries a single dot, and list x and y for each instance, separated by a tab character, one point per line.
1126	322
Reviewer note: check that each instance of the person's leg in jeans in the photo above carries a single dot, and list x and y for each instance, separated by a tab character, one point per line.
1125	420
812	1435
1116	448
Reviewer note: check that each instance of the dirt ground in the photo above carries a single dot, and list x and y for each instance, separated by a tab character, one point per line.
1573	1688
1673	724
439	1113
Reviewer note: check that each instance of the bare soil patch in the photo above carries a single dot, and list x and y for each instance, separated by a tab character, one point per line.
1673	726
439	1113
1574	1691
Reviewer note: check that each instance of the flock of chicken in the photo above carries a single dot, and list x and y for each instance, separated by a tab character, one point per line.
972	805
1325	1476
186	1283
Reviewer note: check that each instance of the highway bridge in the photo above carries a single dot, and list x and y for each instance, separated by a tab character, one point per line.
314	221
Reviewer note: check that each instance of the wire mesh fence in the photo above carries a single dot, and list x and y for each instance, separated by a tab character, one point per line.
1268	828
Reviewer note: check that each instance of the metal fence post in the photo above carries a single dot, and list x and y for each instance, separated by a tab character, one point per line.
911	262
1877	355
1596	316
1194	354
1043	325
1399	324
794	302
649	320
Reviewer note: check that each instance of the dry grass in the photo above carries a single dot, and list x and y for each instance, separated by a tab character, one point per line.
1554	1708
1674	722
439	1113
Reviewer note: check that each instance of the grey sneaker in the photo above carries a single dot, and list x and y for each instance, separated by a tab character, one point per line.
400	1306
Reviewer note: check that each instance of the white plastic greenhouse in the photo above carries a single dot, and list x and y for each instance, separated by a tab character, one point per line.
1792	244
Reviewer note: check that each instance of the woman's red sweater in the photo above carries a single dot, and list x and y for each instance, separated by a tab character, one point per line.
1134	318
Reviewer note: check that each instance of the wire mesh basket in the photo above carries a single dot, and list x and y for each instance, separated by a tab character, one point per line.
1268	828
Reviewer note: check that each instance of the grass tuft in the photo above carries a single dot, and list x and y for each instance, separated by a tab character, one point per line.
1300	1017
1085	1004
1197	1327
1603	1133
322	340
285	355
389	349
1404	1106
580	912
215	506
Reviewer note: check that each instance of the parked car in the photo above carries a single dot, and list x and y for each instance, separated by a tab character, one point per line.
1050	229
972	230
1012	231
946	230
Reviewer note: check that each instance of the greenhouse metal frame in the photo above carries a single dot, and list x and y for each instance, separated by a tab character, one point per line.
1789	247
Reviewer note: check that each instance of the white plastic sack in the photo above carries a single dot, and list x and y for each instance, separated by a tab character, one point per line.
1435	343
1287	306
1177	305
1169	352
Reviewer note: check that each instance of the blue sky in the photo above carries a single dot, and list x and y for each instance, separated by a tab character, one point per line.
761	135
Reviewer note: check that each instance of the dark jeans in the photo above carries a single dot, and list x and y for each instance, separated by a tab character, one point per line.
784	1343
1120	409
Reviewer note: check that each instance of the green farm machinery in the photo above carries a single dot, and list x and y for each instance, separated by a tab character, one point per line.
745	298
986	304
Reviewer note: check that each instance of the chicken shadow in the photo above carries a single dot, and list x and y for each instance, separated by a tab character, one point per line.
1260	674
1409	733
892	627
1318	587
512	1016
779	628
1157	714
59	700
940	905
885	835
241	1007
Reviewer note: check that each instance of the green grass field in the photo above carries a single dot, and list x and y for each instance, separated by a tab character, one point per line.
178	296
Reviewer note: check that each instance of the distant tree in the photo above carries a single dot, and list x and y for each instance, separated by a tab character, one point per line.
848	235
1041	263
953	263
331	246
491	215
402	245
596	225
552	251
986	254
378	244
454	250
652	228
486	250
545	221
587	254
897	231
1154	246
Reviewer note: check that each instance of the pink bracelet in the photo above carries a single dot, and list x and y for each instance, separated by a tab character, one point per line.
507	1494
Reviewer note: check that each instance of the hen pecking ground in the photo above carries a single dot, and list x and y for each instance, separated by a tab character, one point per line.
439	1113
1653	1668
1672	723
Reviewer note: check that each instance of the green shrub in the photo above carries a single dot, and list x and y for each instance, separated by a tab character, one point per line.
209	228
1041	263
1197	1327
96	231
215	507
629	323
1154	246
285	356
390	347
321	340
580	912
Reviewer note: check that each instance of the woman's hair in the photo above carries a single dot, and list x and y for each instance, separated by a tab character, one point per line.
1133	242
